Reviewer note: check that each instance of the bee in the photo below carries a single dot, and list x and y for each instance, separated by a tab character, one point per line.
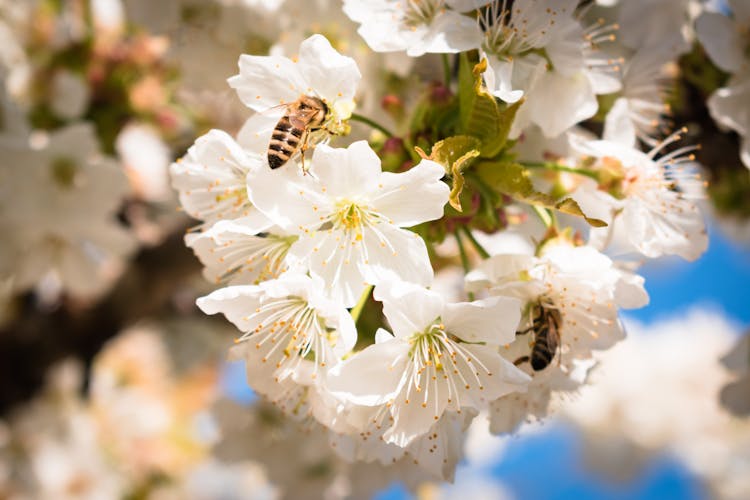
303	116
546	328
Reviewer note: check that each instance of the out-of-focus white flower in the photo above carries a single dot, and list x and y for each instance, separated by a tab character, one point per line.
416	26
146	160
726	41
349	216
669	404
663	25
58	205
541	51
299	460
646	201
440	358
639	111
729	107
735	396
572	294
69	95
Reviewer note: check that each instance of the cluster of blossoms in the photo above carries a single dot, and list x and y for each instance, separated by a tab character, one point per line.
328	260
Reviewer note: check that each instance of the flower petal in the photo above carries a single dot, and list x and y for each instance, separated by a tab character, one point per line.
415	196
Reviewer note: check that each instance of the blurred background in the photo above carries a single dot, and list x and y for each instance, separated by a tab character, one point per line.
114	385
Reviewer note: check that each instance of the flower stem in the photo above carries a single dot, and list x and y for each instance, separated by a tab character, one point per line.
543	215
464	257
562	168
447	70
479	248
357	309
363	119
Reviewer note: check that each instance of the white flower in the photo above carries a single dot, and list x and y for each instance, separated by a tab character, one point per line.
284	321
726	41
416	26
647	201
540	51
349	216
662	25
266	82
639	111
242	253
211	178
441	357
58	206
146	160
570	290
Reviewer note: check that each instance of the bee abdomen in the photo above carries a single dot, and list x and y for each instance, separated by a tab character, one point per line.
545	347
284	142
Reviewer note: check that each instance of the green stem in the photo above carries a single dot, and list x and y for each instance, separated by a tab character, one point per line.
464	257
562	168
447	70
479	248
543	214
357	309
363	119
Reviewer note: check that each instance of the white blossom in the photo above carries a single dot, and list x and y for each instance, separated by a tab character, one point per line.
349	216
58	208
266	82
539	50
416	26
576	288
647	201
211	178
440	358
284	321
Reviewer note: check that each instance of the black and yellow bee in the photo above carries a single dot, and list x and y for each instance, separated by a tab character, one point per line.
546	329
291	133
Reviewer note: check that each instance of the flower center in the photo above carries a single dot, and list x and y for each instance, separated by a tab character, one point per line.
352	217
64	171
421	12
505	37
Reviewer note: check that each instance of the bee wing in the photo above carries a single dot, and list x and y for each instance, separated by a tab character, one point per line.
301	118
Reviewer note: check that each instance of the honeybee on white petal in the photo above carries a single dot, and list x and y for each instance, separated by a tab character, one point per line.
292	132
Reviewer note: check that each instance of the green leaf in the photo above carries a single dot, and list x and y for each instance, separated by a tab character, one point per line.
480	114
513	179
454	154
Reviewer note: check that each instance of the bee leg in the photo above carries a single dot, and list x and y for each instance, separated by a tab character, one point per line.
521	360
303	149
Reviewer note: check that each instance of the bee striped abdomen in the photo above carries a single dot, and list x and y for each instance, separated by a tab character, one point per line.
545	347
285	141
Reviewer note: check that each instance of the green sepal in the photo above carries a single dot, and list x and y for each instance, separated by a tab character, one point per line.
480	115
513	179
454	154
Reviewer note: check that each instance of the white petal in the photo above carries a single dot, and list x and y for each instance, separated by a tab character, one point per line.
408	308
346	173
412	197
329	74
338	262
267	81
618	127
493	320
395	253
449	32
371	377
211	178
287	196
721	39
235	302
558	102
